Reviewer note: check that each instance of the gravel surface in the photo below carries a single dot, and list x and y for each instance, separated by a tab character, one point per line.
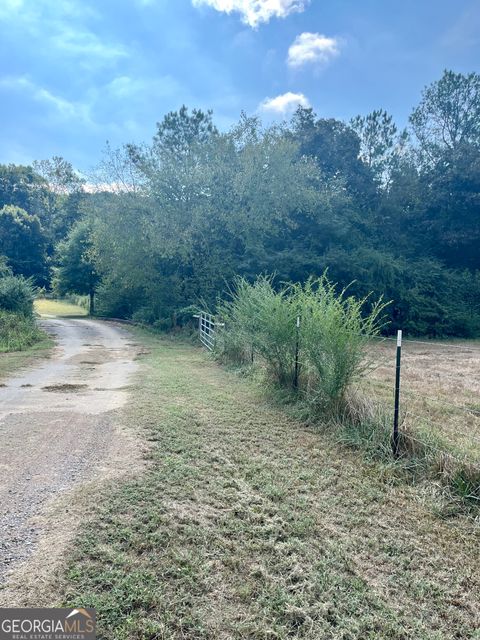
57	426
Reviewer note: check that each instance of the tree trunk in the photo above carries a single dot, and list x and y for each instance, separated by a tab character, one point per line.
92	302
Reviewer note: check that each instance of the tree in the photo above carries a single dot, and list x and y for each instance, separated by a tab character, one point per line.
185	214
380	143
447	126
179	132
222	206
59	174
64	196
76	272
22	187
336	149
23	243
448	115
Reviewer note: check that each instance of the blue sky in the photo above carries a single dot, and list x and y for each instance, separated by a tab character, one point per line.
74	74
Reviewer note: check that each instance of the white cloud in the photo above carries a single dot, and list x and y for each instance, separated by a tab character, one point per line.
65	109
143	88
86	44
312	48
60	28
285	103
254	12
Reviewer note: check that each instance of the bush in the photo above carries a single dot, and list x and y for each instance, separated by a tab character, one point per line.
335	329
259	319
333	333
17	295
18	331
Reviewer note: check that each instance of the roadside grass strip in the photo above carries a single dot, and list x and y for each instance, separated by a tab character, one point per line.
248	524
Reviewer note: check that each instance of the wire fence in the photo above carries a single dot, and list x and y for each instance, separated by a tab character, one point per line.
438	392
431	388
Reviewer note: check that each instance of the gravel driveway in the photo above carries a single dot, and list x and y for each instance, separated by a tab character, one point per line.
58	426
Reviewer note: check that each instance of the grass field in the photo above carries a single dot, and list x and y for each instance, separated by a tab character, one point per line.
440	390
46	307
248	524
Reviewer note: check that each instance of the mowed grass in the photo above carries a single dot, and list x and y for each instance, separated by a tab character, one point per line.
248	524
440	391
46	307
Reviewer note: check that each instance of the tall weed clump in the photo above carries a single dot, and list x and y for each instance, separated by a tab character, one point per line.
18	332
331	339
334	331
261	321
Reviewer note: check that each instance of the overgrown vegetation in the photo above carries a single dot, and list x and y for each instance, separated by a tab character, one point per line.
424	455
395	212
16	294
310	336
18	329
18	332
312	342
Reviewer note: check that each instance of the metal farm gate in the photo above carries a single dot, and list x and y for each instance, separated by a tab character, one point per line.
207	329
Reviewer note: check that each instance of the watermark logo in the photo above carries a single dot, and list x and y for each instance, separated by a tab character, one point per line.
47	624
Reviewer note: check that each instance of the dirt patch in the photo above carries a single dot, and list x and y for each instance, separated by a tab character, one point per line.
64	388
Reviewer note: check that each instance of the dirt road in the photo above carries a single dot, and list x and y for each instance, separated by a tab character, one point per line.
58	427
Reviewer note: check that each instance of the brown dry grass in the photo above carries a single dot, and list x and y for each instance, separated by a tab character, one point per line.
440	390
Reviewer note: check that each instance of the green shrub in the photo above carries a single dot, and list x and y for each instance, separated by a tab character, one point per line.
335	329
18	331
258	319
17	295
333	334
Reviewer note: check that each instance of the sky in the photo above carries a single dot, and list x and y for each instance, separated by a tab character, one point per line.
77	73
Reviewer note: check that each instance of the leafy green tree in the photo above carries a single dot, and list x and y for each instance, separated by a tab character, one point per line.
23	243
76	272
447	126
207	213
335	146
22	187
184	215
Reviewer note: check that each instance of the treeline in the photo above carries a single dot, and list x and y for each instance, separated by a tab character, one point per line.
173	222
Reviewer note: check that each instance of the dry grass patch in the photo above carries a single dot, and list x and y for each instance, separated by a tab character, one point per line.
249	525
440	391
60	308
